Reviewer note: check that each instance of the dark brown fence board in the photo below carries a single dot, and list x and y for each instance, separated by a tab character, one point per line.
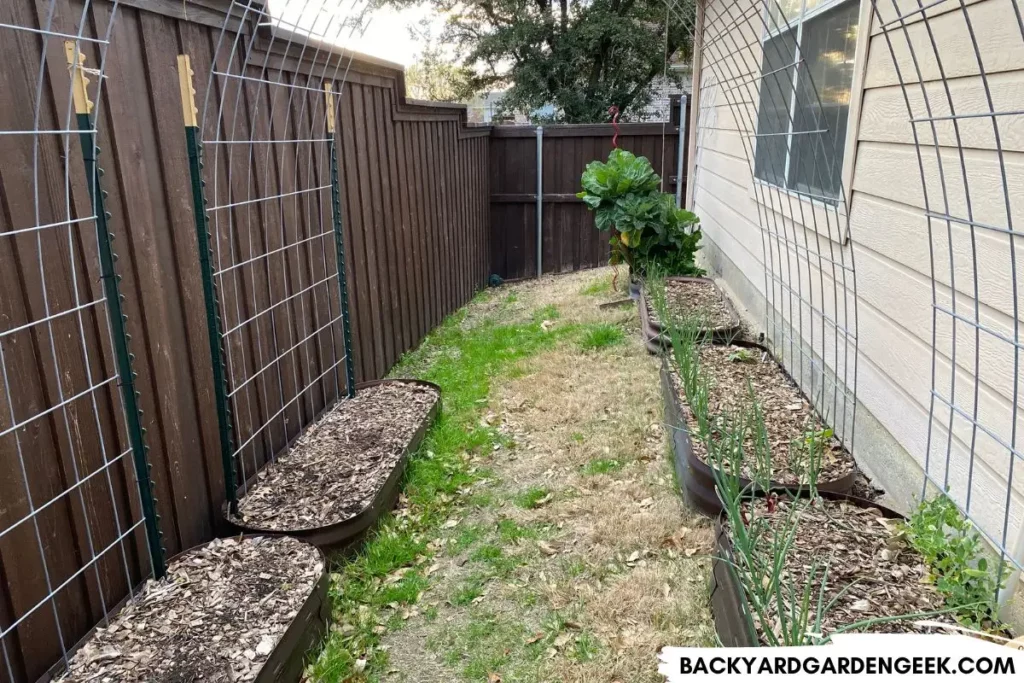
570	241
415	217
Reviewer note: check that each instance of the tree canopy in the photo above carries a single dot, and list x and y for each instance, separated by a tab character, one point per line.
434	77
579	56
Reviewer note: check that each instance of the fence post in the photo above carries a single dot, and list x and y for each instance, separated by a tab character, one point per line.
540	200
339	242
115	312
679	156
220	387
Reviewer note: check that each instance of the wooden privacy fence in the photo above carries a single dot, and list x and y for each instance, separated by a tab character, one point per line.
415	204
568	237
431	207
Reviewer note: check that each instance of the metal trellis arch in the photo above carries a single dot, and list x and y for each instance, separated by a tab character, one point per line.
264	177
76	530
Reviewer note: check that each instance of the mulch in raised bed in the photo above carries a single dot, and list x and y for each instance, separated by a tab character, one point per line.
699	298
216	616
335	469
882	576
788	416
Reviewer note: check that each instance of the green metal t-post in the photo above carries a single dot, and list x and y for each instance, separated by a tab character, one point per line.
115	311
220	386
339	242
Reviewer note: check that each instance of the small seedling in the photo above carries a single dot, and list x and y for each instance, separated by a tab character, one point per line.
817	440
742	356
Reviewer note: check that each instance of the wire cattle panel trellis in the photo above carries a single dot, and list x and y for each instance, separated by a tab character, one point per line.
752	61
271	229
778	81
950	66
76	535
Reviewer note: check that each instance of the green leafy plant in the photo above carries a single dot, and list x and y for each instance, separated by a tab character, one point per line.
956	558
742	356
646	226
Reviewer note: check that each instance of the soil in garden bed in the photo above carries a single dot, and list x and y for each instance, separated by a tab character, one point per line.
685	298
788	416
216	616
336	468
882	576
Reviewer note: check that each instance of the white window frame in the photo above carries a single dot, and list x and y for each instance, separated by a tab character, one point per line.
842	203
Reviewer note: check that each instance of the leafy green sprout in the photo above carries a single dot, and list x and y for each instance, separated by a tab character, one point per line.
742	356
957	561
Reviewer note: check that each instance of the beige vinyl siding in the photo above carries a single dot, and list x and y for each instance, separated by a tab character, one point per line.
890	231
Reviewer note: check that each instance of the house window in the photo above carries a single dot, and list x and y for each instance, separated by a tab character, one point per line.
801	134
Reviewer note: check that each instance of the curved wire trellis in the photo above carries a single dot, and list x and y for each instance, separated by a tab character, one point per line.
968	213
71	446
809	283
269	103
960	126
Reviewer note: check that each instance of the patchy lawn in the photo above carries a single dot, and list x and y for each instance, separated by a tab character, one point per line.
540	536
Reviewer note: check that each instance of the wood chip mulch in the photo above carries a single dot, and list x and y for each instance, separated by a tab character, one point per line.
216	616
866	556
686	298
788	416
336	468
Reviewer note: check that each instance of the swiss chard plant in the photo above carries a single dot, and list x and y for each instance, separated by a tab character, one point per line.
646	226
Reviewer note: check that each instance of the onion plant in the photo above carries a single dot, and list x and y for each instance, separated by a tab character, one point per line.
779	610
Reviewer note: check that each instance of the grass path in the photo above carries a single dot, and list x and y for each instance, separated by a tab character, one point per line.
540	537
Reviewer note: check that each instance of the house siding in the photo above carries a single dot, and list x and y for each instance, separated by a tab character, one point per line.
889	234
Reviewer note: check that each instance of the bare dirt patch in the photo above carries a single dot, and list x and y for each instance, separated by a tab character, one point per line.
336	468
216	616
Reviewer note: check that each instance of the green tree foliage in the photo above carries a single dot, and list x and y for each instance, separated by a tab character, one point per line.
581	57
435	78
646	226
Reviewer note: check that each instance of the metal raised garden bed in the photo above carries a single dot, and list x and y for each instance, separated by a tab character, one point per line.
654	332
729	606
696	479
286	662
342	535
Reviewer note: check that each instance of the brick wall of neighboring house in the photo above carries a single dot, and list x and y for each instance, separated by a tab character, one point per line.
664	89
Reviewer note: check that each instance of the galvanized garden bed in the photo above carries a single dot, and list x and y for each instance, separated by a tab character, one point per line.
695	477
726	329
882	582
222	612
340	534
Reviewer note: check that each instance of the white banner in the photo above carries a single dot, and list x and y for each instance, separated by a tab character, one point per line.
855	658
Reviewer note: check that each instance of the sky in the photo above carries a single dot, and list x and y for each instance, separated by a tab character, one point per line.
386	36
